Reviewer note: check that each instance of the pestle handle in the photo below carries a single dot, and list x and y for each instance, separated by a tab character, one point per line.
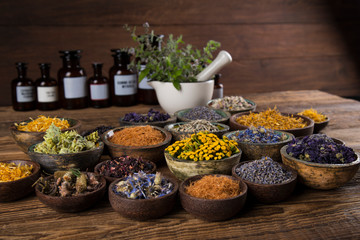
222	59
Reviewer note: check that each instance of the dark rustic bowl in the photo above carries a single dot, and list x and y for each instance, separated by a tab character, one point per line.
270	193
110	179
161	124
177	136
154	153
183	169
297	132
252	108
180	116
14	190
321	125
321	176
25	139
253	151
73	203
143	209
85	160
212	209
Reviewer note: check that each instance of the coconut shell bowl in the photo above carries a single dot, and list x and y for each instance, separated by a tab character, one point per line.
153	153
319	175
183	169
297	132
269	193
182	113
74	203
212	209
84	160
177	136
252	151
14	190
25	139
143	209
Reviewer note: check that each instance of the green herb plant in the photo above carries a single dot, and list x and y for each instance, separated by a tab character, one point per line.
174	61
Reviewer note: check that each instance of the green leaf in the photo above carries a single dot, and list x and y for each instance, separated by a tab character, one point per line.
176	84
143	74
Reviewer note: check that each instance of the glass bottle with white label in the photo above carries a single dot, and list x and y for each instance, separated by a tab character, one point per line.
146	93
123	81
98	87
23	90
46	89
72	81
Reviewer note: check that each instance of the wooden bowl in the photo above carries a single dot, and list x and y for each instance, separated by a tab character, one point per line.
85	160
72	203
212	209
161	124
297	132
110	179
154	153
183	169
251	108
143	209
14	190
321	125
321	176
269	193
253	151
178	136
180	116
25	139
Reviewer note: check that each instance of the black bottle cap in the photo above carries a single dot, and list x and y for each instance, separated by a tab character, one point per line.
44	65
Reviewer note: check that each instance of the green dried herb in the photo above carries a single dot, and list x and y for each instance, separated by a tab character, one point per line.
56	142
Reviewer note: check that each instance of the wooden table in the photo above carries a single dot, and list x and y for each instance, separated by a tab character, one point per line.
307	214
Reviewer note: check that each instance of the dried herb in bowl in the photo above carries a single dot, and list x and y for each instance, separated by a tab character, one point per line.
231	103
202	112
259	135
151	116
319	148
123	166
197	126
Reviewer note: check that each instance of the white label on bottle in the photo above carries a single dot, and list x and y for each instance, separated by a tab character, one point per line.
125	84
25	94
218	93
47	94
144	82
75	87
99	91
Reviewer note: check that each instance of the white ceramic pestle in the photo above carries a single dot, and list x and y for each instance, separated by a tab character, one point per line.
221	60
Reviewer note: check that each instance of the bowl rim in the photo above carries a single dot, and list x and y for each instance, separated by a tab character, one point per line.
167	139
253	105
172	118
187	181
225	114
169	127
203	161
36	169
101	179
118	196
97	166
323	122
73	127
290	137
320	165
310	125
31	150
294	175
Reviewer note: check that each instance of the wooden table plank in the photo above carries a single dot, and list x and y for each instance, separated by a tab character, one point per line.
307	214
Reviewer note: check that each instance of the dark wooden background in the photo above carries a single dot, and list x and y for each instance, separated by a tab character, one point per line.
276	45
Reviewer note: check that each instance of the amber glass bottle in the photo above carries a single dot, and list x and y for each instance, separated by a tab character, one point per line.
72	81
46	89
23	90
147	94
123	81
98	88
218	87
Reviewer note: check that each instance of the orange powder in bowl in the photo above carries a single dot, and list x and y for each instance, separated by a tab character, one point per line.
137	136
